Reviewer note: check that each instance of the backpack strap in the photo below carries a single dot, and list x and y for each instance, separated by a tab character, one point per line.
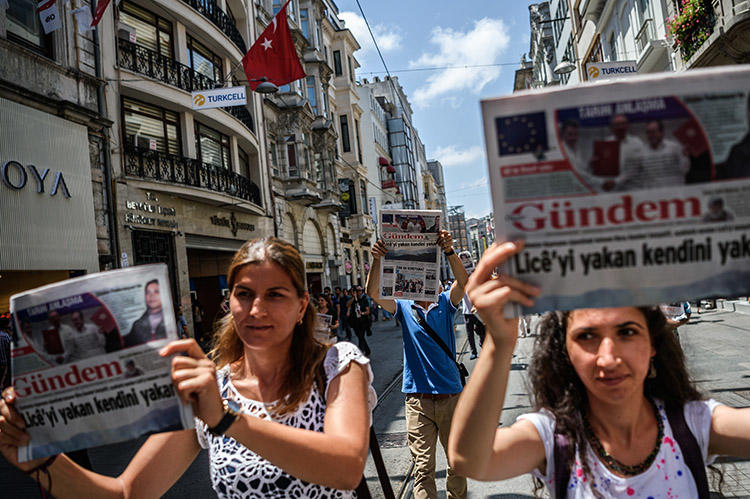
562	465
462	372
691	451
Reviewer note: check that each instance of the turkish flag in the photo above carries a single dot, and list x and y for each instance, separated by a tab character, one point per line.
99	12
273	55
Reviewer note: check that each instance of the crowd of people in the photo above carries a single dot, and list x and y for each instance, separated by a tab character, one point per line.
283	414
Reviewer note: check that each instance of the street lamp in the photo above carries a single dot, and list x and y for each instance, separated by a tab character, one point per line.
265	86
564	67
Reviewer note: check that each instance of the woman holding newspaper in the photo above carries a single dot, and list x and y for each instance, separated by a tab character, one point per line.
616	414
281	414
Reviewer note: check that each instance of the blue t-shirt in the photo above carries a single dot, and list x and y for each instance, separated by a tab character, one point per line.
427	368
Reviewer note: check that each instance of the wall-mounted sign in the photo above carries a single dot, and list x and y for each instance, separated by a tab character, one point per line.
233	224
608	70
15	176
134	217
314	266
219	97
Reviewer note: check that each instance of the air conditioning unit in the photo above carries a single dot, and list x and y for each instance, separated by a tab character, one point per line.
126	32
142	142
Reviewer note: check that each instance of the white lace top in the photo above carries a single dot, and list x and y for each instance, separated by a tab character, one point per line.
236	471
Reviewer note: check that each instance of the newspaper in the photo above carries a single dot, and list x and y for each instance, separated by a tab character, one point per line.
323	328
411	268
86	366
630	192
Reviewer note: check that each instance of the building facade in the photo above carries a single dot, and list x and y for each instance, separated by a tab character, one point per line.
55	176
191	185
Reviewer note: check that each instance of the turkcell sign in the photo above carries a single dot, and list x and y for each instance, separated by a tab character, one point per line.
219	97
610	70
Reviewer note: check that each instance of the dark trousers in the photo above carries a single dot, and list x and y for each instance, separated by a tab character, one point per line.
345	326
474	326
360	329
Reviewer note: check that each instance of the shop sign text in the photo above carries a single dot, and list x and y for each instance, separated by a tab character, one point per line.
15	176
233	224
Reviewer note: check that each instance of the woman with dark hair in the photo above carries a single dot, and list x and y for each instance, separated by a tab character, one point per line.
281	414
616	414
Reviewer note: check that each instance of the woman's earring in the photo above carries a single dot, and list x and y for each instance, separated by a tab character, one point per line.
652	370
299	322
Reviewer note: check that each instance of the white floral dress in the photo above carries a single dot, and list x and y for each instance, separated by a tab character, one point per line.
236	471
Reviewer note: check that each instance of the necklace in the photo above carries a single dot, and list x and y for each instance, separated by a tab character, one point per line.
616	465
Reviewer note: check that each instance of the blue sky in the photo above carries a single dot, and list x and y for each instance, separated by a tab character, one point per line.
421	33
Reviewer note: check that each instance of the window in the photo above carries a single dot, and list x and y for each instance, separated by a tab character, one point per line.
345	133
319	38
363	192
359	144
151	127
151	31
304	21
203	61
351	70
324	93
311	94
212	147
612	46
244	163
337	63
291	155
25	28
274	155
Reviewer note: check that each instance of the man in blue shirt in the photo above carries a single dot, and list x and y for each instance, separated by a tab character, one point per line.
431	379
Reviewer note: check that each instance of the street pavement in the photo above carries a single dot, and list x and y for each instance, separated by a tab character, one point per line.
715	343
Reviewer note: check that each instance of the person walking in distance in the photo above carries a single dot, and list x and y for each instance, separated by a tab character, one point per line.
431	381
359	314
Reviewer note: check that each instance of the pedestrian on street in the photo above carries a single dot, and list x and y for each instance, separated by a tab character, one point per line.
282	414
473	326
431	379
345	320
616	414
359	318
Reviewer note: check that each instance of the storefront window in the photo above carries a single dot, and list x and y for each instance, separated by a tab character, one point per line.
151	127
151	31
25	28
212	147
205	62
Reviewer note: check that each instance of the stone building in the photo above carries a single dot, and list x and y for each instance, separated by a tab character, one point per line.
55	176
191	186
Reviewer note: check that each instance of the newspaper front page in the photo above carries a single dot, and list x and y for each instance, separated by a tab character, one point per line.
411	268
86	367
630	192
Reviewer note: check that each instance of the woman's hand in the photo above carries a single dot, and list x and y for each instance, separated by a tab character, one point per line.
445	241
194	378
13	432
489	294
379	250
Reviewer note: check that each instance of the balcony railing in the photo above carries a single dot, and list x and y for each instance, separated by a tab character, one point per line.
155	165
243	115
645	35
159	67
220	19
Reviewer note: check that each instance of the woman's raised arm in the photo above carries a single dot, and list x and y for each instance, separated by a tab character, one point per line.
476	447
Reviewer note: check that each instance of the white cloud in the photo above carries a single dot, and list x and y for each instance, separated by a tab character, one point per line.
485	43
452	156
388	37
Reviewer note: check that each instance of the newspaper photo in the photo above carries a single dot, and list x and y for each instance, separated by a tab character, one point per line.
323	331
86	367
411	268
628	192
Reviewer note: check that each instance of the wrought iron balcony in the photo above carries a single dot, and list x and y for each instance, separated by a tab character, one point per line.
155	65
155	165
243	115
211	11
